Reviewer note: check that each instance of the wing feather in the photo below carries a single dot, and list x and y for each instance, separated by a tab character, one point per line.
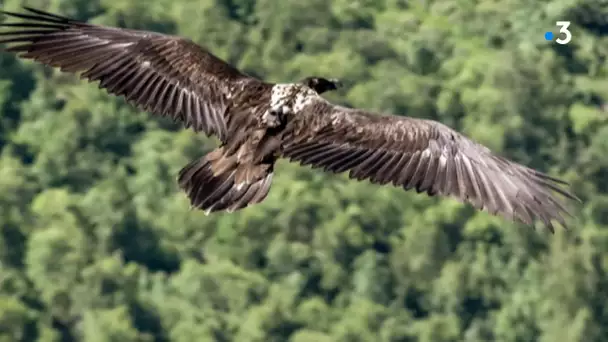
162	74
424	155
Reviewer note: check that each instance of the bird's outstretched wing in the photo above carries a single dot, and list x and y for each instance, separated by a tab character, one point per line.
163	74
421	154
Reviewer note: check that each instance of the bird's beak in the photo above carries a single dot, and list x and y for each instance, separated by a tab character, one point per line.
337	82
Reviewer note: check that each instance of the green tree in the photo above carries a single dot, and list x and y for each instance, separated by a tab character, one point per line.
98	244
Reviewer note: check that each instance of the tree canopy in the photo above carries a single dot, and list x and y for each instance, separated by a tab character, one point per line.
97	243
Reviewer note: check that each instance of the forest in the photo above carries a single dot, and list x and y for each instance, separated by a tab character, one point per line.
98	244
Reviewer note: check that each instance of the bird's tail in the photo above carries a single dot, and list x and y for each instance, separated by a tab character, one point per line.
217	182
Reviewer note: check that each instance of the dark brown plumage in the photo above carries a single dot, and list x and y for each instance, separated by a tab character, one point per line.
258	122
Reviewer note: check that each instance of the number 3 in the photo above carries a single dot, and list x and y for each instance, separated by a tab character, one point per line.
563	28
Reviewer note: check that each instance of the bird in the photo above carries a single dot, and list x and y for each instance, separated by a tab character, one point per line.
258	122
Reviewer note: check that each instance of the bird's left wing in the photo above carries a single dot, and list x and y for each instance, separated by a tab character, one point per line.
421	154
163	74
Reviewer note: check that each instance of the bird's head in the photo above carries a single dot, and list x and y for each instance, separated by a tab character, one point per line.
321	85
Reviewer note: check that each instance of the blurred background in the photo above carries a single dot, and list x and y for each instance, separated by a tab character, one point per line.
97	243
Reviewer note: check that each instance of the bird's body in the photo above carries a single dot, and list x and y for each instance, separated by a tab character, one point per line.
258	122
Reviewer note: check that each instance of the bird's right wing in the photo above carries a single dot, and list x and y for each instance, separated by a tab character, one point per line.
421	154
163	74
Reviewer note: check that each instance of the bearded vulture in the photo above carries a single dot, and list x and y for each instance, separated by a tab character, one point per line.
258	122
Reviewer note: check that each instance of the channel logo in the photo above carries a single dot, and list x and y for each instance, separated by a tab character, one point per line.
563	37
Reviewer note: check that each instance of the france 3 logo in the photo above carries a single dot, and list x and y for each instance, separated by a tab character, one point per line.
564	36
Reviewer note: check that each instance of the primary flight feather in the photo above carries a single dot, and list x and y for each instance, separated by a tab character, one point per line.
258	122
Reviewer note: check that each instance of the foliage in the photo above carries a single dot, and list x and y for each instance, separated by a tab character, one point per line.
98	244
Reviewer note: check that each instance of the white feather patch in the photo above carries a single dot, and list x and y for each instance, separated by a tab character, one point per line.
291	98
303	99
